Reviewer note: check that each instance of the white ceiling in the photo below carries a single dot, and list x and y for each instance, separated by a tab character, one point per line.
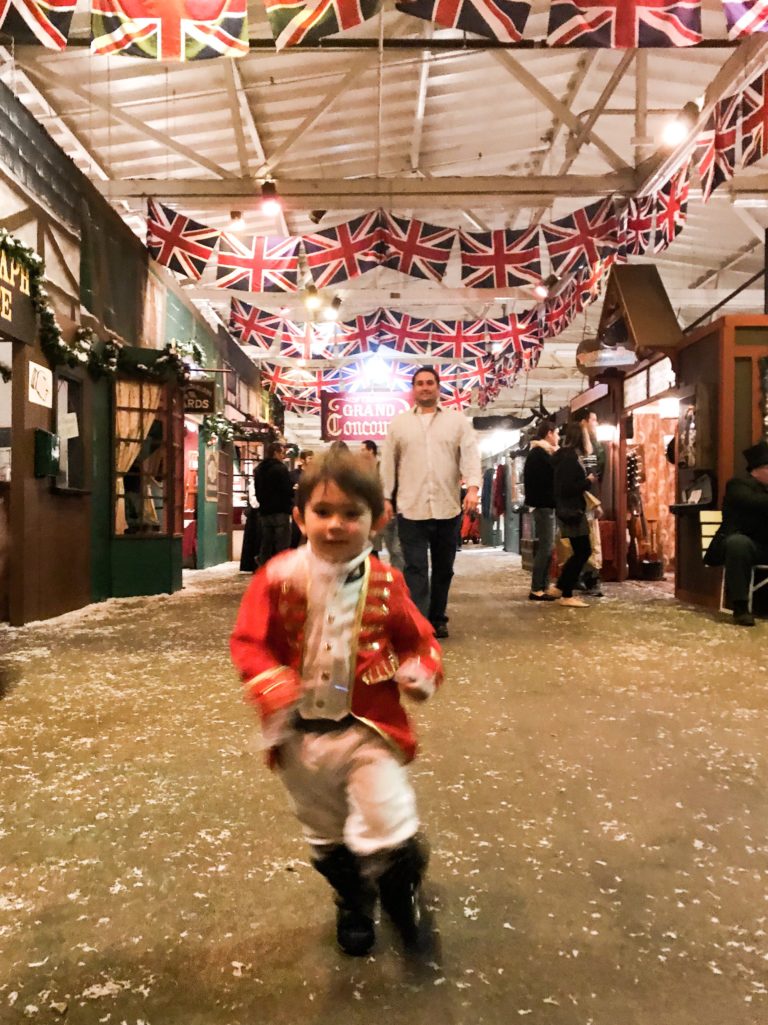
418	131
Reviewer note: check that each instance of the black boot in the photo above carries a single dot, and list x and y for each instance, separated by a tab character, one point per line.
355	901
741	614
399	889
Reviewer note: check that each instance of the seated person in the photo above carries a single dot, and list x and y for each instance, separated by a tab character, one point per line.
742	541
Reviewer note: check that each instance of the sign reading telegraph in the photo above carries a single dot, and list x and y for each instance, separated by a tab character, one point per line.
17	314
360	416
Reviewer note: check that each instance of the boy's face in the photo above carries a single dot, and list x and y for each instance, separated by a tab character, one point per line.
336	524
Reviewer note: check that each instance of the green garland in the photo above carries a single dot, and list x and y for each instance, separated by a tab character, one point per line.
216	427
101	358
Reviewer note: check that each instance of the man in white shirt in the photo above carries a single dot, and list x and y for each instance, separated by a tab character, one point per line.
428	452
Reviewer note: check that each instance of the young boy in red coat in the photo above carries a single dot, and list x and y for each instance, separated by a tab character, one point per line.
327	641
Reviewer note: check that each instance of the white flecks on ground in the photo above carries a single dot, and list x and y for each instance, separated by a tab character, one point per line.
594	788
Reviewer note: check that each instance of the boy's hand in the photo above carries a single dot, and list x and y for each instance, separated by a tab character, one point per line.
415	680
276	727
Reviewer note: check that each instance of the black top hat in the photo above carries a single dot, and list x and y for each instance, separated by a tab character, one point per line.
756	455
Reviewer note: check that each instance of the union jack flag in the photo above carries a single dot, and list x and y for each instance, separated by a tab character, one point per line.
302	402
459	339
455	397
182	30
516	330
495	19
252	326
754	123
361	334
404	333
745	17
303	340
624	24
559	311
671	209
278	378
307	21
47	20
178	242
637	226
715	152
583	237
346	251
415	248
266	263
589	283
500	259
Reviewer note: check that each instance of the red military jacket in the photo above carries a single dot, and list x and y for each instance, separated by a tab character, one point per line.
267	644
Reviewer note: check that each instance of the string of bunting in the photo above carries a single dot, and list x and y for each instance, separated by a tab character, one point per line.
206	29
503	258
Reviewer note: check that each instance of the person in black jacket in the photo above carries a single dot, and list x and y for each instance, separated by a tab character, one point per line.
741	543
539	484
274	493
571	509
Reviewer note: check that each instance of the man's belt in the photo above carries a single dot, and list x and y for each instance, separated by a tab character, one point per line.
322	725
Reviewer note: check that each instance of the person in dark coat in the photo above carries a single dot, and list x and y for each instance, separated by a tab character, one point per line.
274	493
741	543
539	485
571	509
305	458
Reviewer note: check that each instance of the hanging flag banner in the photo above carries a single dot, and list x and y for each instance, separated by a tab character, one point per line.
359	416
264	263
415	248
495	19
178	242
500	259
47	21
183	30
346	251
583	237
308	21
745	17
624	24
671	209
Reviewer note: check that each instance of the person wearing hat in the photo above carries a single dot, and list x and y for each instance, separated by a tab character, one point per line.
741	543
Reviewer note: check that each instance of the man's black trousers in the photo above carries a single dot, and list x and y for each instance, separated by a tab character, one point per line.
425	541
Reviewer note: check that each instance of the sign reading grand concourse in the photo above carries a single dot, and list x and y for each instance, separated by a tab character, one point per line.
360	416
17	314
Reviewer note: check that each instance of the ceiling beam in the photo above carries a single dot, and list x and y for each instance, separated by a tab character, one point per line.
535	87
45	78
728	264
355	193
421	102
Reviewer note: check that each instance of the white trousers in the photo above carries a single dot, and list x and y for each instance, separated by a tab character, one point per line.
348	787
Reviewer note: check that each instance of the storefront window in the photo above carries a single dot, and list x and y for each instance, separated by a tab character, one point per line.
148	467
69	428
223	498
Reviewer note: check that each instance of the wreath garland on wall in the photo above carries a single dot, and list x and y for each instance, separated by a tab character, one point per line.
102	358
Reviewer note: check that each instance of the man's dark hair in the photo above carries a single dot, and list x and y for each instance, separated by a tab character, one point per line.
351	474
273	448
543	429
371	446
583	414
425	370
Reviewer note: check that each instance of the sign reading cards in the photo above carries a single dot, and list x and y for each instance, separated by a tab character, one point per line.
17	314
200	397
360	416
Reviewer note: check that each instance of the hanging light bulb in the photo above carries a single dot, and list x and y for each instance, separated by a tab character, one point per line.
271	204
312	298
332	312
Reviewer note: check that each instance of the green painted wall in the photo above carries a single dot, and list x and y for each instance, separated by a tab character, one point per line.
145	566
212	548
101	564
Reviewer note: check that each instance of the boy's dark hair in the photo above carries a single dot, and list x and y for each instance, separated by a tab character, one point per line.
273	448
543	429
351	474
425	370
306	453
371	446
